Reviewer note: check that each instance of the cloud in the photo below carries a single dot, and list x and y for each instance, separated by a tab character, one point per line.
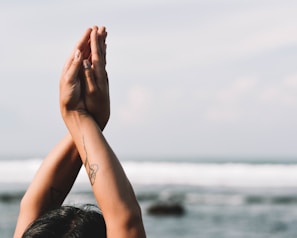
136	106
283	93
227	104
239	88
291	81
221	114
242	33
195	65
10	120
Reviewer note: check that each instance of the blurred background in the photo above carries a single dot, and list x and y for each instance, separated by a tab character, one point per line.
188	78
203	107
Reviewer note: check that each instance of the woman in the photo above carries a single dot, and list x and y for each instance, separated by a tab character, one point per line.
85	108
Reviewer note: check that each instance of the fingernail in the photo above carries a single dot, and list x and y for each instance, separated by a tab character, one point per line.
77	54
86	64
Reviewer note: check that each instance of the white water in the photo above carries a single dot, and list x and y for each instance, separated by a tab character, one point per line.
175	173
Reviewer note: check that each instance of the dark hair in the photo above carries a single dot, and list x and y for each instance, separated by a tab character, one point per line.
68	222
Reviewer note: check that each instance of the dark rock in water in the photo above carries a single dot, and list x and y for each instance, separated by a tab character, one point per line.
166	209
10	197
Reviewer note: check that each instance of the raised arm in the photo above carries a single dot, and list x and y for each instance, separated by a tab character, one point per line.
59	169
50	185
110	185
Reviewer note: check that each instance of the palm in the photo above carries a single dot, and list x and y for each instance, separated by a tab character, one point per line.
71	96
97	103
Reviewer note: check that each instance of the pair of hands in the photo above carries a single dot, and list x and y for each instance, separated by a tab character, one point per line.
84	86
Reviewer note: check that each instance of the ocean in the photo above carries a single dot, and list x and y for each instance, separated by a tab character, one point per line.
218	198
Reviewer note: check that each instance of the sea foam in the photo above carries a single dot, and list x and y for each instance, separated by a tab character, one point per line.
175	173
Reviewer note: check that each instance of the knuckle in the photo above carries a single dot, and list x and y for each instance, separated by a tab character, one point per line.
92	90
95	60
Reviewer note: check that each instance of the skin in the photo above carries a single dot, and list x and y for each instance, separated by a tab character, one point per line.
62	165
111	187
50	185
85	108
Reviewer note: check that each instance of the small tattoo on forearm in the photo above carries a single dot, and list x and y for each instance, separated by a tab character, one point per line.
92	169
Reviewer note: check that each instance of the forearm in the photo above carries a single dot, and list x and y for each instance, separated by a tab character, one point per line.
51	184
56	175
111	187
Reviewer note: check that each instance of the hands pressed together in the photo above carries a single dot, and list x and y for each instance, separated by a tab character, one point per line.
84	84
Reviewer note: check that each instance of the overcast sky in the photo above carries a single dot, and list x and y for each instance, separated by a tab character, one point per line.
188	78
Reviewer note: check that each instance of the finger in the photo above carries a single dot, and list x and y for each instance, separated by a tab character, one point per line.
95	49
72	72
99	47
104	47
83	42
87	54
102	34
82	46
90	84
98	61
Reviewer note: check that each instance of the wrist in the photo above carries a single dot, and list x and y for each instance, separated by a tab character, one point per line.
101	121
73	115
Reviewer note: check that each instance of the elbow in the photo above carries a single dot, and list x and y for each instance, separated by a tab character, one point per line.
30	207
28	202
134	215
134	223
127	223
24	203
25	206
